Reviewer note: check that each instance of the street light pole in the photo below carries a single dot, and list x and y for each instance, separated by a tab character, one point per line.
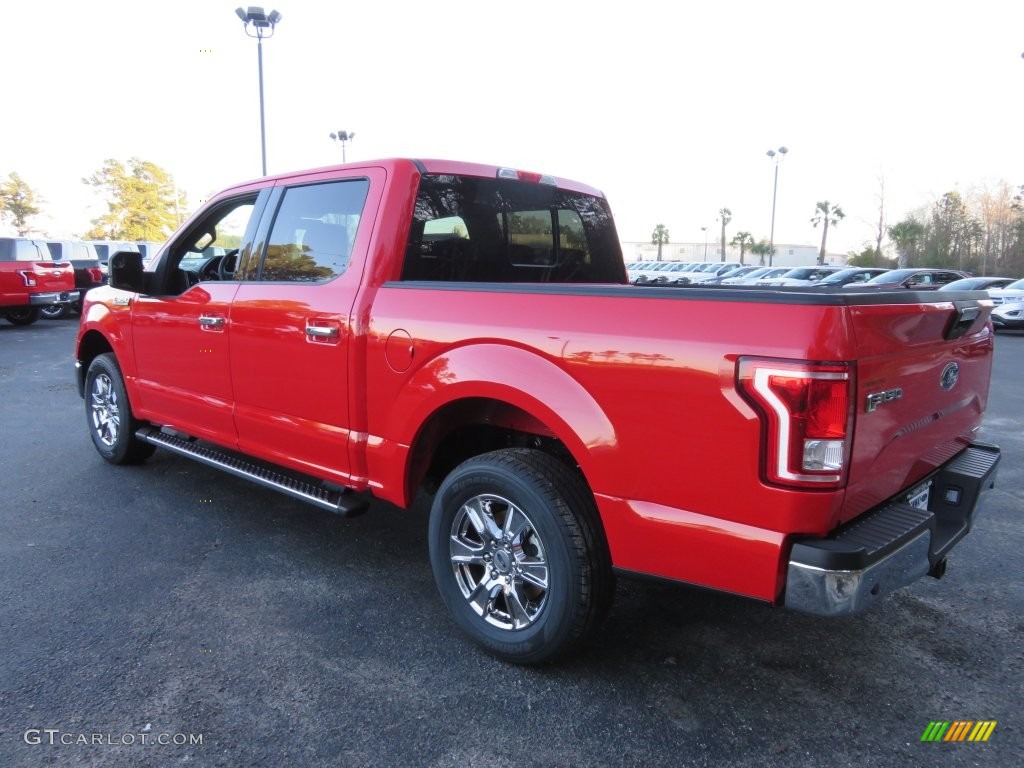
260	22
343	137
778	157
705	231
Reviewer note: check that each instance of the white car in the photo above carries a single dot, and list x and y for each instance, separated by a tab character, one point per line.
1013	292
801	276
1008	315
752	277
708	271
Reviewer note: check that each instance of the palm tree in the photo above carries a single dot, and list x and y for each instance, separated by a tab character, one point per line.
725	216
743	240
761	248
906	235
826	214
659	237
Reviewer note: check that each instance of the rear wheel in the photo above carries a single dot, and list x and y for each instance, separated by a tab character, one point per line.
518	555
54	311
22	315
111	423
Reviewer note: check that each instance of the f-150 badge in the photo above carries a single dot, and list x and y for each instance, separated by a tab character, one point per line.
876	399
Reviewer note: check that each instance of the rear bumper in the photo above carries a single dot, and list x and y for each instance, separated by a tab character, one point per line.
48	298
891	546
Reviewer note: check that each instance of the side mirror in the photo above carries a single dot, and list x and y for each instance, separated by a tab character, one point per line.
126	271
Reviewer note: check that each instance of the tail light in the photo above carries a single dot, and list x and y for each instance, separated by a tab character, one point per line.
806	417
28	277
95	274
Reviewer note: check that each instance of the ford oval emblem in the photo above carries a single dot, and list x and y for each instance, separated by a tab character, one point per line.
950	376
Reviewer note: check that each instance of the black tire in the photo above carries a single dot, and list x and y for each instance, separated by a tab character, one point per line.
22	315
109	415
54	311
491	581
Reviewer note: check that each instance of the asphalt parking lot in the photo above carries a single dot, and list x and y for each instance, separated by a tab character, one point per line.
171	603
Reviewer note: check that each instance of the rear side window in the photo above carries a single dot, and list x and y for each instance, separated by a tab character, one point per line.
26	250
315	226
466	228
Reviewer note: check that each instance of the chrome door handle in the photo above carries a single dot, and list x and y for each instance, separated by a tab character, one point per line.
322	331
211	322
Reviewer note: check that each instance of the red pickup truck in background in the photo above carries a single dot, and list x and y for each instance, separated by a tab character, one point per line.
31	280
387	327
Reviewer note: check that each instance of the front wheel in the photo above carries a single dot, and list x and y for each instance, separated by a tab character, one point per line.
111	423
518	555
22	315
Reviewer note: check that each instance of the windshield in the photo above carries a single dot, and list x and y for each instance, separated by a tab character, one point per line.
1016	285
841	275
896	276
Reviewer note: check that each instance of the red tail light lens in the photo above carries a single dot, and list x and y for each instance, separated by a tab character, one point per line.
806	418
95	274
28	277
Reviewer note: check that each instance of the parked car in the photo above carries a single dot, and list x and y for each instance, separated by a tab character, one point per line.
801	276
752	277
1009	315
731	274
670	275
913	279
88	273
707	272
488	368
850	275
1012	292
977	284
30	280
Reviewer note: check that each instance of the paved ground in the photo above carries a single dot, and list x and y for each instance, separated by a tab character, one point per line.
172	602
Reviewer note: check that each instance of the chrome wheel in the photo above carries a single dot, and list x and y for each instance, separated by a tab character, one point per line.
105	412
499	562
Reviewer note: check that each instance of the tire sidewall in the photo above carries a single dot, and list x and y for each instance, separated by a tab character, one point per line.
23	315
105	364
554	626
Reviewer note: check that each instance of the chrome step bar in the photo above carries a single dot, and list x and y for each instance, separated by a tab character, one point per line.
343	502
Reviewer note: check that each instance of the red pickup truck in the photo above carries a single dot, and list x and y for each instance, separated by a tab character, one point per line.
400	325
31	280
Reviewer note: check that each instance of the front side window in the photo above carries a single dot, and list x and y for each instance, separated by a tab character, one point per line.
315	226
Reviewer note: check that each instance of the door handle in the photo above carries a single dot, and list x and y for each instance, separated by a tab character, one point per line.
211	322
322	331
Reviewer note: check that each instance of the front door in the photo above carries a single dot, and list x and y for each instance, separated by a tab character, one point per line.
181	333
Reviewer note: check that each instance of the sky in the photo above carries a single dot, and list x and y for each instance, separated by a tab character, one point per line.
668	108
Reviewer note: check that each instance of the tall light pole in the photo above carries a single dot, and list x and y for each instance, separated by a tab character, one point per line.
778	157
256	25
343	137
705	231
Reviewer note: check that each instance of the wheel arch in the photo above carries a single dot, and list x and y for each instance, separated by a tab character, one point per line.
536	404
90	346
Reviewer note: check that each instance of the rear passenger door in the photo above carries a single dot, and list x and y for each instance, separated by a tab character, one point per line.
293	331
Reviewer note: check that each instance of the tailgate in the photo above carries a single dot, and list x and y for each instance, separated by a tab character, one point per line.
50	276
922	386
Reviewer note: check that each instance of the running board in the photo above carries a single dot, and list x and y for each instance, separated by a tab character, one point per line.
344	502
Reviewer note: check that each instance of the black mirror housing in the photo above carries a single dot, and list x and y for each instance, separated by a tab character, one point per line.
126	271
